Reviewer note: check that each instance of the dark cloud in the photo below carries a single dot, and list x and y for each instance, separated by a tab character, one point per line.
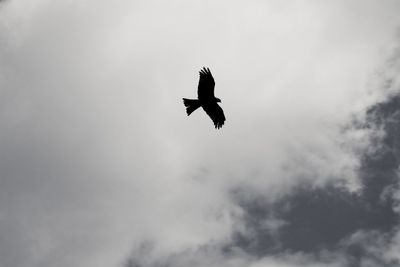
319	218
326	225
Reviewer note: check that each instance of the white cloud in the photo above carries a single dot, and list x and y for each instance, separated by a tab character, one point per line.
97	153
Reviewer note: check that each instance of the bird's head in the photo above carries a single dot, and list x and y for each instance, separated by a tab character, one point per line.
217	100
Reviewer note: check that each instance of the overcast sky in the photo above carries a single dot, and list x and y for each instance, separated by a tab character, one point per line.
100	165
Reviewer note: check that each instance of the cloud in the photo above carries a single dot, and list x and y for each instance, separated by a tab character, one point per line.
212	255
313	226
321	218
98	156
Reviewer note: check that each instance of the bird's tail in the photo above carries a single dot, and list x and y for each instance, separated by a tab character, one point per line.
191	105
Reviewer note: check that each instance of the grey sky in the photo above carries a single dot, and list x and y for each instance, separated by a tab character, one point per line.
100	166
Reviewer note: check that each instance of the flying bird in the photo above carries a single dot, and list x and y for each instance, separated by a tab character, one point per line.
206	99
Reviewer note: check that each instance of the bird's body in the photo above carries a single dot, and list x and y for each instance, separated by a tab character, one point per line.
206	99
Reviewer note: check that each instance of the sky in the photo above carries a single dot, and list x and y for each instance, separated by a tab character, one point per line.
101	166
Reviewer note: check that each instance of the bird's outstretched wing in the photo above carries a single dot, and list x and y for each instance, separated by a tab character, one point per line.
205	90
216	114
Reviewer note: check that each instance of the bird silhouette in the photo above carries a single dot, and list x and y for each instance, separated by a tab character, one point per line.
206	99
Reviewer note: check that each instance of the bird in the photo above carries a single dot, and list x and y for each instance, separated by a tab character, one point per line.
206	99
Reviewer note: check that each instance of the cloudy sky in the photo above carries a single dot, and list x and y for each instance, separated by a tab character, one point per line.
100	166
